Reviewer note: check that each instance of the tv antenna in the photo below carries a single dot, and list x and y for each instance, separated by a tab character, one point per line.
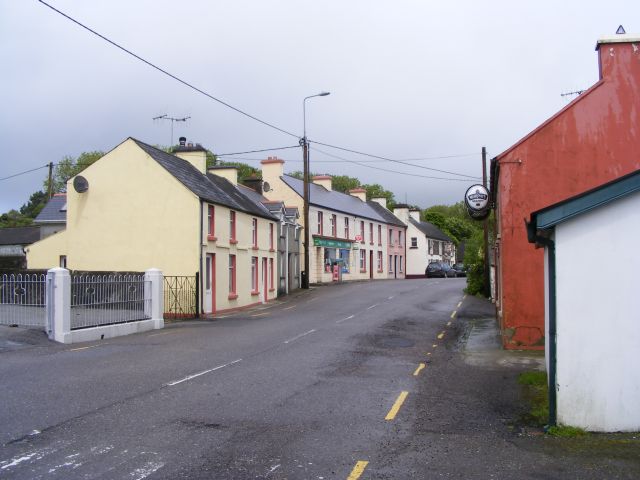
567	94
173	120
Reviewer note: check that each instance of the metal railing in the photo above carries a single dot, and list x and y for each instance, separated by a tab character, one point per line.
108	299
180	296
23	299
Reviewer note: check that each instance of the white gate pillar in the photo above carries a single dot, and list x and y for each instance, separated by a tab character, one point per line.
154	296
59	305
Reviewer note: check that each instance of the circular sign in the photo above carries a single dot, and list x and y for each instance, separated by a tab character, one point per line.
80	184
477	198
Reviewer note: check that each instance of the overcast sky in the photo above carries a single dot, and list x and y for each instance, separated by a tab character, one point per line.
408	80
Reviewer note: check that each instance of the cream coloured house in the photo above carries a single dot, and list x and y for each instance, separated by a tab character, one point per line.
349	237
145	208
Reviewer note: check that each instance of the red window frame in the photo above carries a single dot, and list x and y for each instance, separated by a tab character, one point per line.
211	222
254	233
346	227
334	225
254	276
271	288
271	236
379	234
320	221
232	277
380	262
371	233
232	227
362	231
363	260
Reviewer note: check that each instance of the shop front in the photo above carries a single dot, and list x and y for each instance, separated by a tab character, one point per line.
336	256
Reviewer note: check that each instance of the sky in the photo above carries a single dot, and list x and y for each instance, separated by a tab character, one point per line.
425	82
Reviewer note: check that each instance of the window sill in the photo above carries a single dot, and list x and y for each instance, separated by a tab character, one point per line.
414	248
232	296
212	238
272	250
370	243
272	289
255	293
380	271
233	241
363	271
254	248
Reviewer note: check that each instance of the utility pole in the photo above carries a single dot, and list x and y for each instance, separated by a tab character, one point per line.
487	277
173	120
305	162
50	190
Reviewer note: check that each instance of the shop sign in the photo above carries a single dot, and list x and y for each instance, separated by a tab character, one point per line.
476	199
330	243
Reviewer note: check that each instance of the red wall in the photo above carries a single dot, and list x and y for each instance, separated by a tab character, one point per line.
593	140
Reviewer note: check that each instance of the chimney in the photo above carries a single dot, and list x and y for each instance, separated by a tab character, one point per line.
272	170
196	155
381	201
415	214
254	183
229	172
359	192
402	212
323	181
618	54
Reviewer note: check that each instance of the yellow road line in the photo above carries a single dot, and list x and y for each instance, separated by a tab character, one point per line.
81	348
428	353
260	314
465	296
459	303
441	336
420	367
448	324
396	406
453	315
357	470
434	345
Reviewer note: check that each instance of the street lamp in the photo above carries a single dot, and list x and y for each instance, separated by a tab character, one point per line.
305	158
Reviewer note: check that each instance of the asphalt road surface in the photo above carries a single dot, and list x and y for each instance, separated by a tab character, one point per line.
359	380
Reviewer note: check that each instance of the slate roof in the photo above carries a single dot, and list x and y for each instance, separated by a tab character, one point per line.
333	200
55	211
210	188
19	235
389	217
430	230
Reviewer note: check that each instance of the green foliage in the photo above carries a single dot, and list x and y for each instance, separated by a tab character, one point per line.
344	183
474	261
14	218
376	190
36	203
69	167
566	431
244	171
534	385
533	378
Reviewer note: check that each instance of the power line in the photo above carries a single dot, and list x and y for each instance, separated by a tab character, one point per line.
392	160
26	171
138	57
391	171
255	151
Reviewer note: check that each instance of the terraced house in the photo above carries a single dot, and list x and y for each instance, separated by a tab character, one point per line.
139	207
349	236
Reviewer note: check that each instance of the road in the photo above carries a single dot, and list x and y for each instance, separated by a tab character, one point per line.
361	380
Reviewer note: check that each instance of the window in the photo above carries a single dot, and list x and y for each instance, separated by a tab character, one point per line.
211	230
63	261
371	233
271	236
379	261
320	223
400	266
362	231
232	277
390	263
254	232
346	227
414	242
344	255
334	226
379	234
436	247
363	260
254	275
271	274
390	237
400	237
232	227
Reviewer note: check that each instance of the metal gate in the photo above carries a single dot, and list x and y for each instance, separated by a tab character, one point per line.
181	297
23	299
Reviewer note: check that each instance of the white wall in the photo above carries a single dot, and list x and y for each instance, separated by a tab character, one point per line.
598	318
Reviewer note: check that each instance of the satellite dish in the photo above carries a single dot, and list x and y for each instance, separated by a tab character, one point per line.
80	184
266	187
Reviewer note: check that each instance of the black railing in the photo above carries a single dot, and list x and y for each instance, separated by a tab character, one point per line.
180	296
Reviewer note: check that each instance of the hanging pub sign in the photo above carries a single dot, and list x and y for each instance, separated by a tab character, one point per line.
476	198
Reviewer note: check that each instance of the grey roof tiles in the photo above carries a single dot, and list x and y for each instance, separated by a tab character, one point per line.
55	211
19	235
430	230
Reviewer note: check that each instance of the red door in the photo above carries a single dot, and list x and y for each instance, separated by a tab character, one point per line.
265	284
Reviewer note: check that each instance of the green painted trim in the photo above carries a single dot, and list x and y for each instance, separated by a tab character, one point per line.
326	242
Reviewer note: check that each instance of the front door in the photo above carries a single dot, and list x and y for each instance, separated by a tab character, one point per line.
210	284
264	280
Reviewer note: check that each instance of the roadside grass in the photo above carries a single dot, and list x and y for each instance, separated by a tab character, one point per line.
535	392
565	431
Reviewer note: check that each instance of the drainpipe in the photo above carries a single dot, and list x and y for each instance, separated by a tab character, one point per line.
285	225
551	246
200	283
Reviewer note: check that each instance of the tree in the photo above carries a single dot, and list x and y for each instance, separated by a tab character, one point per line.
376	190
14	218
244	171
34	206
69	167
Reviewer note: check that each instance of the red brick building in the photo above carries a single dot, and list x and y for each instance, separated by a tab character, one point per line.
594	139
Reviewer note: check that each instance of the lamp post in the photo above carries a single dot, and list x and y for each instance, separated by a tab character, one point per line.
305	158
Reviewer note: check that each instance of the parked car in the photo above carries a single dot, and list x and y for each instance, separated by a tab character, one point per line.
460	269
439	270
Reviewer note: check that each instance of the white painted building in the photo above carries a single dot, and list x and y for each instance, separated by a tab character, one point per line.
593	306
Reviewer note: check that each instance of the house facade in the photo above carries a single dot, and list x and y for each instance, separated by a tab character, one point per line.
594	139
145	208
425	243
591	322
396	239
349	238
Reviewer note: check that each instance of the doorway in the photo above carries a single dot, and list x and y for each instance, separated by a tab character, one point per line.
210	284
371	264
264	280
